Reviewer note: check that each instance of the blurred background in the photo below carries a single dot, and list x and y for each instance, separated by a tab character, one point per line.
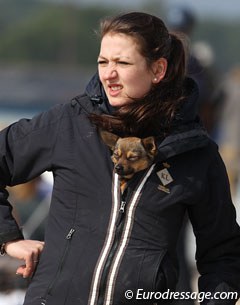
48	52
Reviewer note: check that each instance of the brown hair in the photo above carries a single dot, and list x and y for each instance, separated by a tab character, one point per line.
152	114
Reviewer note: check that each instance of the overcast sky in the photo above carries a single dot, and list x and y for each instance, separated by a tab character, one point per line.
229	9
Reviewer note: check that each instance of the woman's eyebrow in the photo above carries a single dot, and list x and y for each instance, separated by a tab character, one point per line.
116	57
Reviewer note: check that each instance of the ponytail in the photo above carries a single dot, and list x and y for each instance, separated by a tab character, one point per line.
176	71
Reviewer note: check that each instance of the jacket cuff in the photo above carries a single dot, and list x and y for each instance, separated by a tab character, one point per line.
223	294
10	236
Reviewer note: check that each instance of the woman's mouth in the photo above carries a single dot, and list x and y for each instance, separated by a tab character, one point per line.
114	89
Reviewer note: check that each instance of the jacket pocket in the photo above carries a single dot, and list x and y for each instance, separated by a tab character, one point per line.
158	272
58	274
170	272
151	278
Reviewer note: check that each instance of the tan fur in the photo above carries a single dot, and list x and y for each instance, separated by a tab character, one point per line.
130	154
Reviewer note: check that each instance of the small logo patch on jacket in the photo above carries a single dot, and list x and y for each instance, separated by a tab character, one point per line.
165	176
164	189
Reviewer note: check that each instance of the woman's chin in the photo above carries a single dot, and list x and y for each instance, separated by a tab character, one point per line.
118	102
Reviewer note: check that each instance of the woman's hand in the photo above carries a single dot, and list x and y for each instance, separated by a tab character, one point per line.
27	250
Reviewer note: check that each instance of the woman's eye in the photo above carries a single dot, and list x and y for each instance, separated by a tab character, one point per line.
102	62
123	63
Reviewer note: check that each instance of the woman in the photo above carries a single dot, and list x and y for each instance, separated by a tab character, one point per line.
93	254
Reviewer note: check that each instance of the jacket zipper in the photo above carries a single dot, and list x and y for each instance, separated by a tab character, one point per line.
117	238
51	286
119	241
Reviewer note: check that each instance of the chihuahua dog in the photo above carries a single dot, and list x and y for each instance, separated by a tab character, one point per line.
129	155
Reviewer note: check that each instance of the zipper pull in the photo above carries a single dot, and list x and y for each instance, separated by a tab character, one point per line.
122	207
70	234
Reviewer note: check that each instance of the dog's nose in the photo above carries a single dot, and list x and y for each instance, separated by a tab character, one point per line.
119	168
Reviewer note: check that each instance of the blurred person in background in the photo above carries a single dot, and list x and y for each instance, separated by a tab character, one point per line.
12	288
30	207
101	241
229	141
31	202
200	67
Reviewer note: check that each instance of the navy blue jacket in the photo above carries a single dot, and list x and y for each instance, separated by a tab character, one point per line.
94	251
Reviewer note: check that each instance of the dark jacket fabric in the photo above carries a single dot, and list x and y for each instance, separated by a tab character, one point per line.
99	245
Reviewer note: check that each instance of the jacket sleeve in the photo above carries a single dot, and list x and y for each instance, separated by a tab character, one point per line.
26	149
217	236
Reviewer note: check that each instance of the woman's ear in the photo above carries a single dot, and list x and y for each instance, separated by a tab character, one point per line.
159	69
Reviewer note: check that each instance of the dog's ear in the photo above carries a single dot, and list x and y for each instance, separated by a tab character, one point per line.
149	145
109	138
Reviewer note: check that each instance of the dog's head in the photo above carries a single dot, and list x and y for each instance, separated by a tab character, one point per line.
130	154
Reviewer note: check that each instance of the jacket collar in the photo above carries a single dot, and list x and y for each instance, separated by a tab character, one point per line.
97	95
187	132
188	112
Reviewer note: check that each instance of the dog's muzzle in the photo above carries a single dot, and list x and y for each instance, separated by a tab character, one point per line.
119	169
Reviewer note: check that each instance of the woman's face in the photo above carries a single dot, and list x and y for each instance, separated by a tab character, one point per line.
123	71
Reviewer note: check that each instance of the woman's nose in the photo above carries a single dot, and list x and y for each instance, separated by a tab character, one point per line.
110	73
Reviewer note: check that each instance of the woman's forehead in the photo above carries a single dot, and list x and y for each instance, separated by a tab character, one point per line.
119	42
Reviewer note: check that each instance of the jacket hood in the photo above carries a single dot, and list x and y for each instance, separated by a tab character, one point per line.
189	109
187	113
96	93
187	132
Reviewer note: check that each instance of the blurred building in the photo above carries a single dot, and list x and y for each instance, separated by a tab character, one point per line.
27	90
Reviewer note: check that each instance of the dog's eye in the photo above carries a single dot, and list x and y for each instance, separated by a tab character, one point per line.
133	158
